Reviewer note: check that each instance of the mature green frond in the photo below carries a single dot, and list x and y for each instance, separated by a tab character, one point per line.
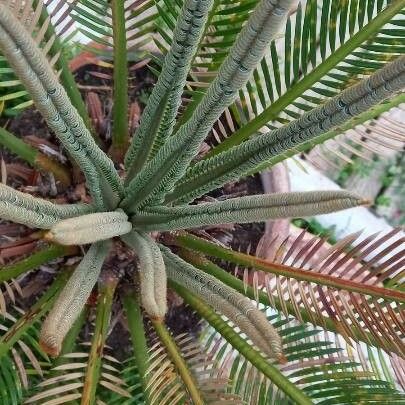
362	298
327	372
19	345
20	362
152	273
35	212
90	228
94	21
224	299
254	153
173	158
72	299
158	118
166	387
51	99
253	208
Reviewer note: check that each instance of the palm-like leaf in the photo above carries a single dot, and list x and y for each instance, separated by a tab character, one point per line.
342	290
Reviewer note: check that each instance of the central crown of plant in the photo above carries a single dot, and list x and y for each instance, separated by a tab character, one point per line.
162	178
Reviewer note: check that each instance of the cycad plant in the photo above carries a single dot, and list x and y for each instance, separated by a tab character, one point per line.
339	70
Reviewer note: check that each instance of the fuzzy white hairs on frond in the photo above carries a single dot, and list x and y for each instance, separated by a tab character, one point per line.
34	212
239	309
152	273
90	228
73	298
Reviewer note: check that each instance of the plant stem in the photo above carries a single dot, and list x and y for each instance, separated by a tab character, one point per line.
210	268
35	260
271	112
137	331
120	137
106	294
35	158
178	361
242	259
252	355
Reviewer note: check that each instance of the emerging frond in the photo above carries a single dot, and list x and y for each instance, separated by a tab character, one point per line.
72	299
90	228
152	273
256	153
35	212
245	209
159	115
175	155
53	102
224	299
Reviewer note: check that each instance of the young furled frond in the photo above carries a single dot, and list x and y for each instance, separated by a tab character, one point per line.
311	63
51	99
35	212
253	208
159	115
48	30
152	273
72	299
224	299
254	154
90	228
174	157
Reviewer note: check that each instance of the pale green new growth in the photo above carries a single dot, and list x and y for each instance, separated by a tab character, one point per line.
52	101
73	298
232	304
152	273
90	228
35	212
253	208
160	174
158	118
251	155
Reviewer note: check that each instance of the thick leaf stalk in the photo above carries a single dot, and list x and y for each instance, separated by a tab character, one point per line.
36	212
152	273
158	118
246	209
160	174
51	99
72	299
94	364
210	174
90	228
226	300
34	157
179	362
120	137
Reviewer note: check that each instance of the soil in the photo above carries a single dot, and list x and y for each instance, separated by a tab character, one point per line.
95	85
